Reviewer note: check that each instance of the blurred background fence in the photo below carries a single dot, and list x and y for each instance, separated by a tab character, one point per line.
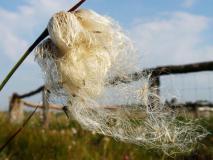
189	86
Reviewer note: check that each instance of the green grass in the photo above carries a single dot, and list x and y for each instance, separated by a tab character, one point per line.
65	140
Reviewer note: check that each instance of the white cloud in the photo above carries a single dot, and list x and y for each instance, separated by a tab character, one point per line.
173	39
188	3
18	28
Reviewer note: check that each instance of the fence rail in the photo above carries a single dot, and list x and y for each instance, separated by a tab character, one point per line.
165	70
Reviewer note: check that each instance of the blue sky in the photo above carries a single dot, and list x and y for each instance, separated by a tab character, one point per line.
164	32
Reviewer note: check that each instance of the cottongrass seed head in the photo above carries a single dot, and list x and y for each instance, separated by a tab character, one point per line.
83	54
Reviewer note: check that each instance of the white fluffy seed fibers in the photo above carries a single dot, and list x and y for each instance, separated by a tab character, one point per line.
84	52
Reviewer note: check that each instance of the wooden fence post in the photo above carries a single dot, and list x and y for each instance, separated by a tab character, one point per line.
155	89
16	114
45	95
155	84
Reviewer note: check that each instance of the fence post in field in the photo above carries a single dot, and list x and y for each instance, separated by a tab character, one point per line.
155	89
16	114
45	94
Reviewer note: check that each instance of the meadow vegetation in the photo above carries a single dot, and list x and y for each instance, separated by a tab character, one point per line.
66	140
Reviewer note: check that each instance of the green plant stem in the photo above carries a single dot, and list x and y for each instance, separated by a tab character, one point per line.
30	49
18	131
21	60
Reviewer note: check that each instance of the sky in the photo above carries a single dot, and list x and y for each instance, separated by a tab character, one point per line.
163	31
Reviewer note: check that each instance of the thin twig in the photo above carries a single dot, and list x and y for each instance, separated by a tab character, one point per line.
43	35
18	131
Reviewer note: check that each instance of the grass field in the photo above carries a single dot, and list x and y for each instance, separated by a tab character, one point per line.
65	140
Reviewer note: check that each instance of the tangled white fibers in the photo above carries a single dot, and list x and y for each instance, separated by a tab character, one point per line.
85	51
